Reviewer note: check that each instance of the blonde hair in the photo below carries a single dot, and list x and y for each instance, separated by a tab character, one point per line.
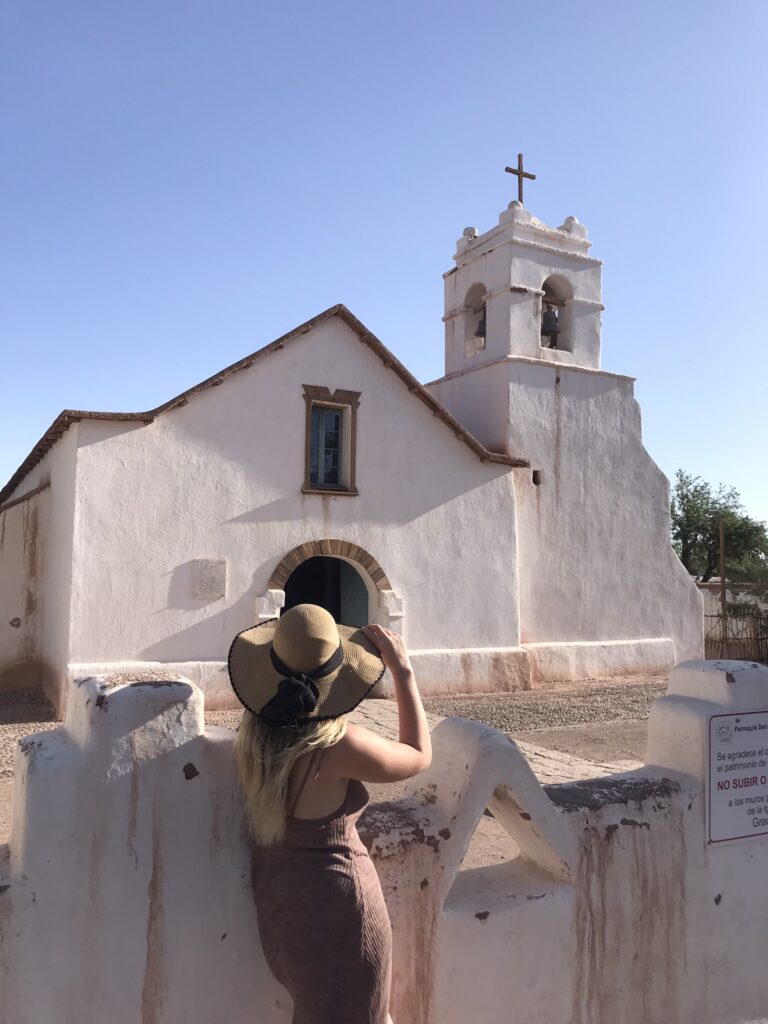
265	759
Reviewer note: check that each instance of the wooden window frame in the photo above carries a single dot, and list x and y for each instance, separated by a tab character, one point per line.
338	399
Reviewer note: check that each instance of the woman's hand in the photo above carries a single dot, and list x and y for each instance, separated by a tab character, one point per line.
391	647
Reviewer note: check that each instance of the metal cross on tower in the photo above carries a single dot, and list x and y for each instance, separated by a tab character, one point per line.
520	175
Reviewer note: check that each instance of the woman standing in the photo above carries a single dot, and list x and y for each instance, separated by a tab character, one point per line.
322	918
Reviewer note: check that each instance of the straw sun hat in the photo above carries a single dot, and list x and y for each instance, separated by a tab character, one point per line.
302	667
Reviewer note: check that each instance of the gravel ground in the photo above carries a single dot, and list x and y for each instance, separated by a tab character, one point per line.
550	709
21	713
227	719
598	703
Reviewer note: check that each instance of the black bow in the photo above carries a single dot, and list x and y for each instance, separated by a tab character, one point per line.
297	694
295	697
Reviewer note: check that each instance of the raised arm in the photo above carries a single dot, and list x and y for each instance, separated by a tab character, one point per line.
361	754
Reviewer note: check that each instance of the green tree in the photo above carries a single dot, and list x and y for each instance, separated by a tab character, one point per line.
696	511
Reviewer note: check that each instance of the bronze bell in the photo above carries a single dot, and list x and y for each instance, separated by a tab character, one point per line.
480	332
550	322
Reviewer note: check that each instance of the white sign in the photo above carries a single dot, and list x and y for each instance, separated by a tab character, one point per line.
210	578
738	776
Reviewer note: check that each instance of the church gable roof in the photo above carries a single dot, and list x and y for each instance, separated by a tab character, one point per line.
69	416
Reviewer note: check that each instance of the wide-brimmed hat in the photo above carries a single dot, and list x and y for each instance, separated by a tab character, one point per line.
302	667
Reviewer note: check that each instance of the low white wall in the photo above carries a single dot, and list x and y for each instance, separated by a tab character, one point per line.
472	670
603	659
210	676
611	908
148	901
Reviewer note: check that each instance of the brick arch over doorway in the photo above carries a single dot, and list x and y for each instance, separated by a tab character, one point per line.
330	549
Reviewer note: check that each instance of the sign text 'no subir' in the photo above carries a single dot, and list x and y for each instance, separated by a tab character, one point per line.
738	776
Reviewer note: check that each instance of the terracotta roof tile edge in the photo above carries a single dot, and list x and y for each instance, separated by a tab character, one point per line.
69	416
60	425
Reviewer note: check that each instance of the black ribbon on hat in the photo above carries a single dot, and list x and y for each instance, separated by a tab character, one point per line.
297	694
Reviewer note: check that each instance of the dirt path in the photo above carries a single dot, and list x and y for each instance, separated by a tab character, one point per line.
623	740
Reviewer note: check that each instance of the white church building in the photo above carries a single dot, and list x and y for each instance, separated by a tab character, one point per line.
505	518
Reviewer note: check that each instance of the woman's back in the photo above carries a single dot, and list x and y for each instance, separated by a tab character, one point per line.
319	778
312	792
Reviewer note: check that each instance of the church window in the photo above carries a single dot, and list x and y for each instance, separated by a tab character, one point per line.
555	315
331	436
475	318
325	451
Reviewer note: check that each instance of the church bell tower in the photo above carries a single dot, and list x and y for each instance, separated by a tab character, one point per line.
523	290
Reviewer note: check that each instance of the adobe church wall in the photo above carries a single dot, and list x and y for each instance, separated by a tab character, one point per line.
59	572
22	566
597	563
221	478
53	571
595	559
613	907
478	397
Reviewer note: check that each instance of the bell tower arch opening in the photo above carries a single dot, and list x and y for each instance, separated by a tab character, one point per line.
522	272
556	312
475	320
332	583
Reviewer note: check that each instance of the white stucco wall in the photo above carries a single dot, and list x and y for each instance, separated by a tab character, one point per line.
221	478
595	559
598	558
60	463
54	569
610	908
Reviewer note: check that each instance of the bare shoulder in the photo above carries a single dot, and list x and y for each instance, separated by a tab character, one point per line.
356	734
363	754
356	738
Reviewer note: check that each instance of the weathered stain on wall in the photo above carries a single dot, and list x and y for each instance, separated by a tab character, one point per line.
155	988
629	895
31	528
406	851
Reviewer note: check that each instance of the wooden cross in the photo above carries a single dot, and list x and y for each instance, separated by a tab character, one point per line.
520	175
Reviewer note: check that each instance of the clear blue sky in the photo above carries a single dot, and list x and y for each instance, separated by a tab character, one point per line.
182	182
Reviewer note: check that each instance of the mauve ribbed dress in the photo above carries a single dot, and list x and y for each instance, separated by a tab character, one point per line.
322	919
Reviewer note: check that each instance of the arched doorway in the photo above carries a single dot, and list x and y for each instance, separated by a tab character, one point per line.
332	583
